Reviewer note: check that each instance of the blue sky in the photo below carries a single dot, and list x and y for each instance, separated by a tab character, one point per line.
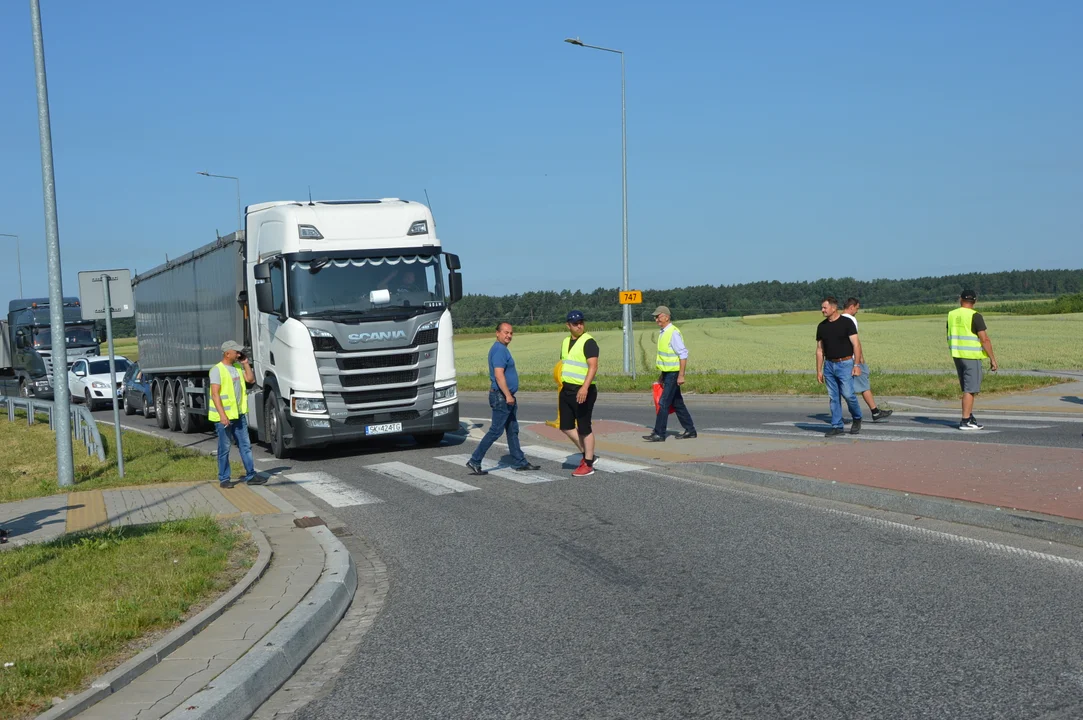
770	140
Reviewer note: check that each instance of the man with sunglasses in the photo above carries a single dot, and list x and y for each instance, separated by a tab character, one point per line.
579	364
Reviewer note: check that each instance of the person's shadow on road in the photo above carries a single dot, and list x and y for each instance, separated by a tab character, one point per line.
1072	399
30	522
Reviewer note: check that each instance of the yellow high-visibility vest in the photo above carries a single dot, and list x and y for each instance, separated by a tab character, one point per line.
229	403
667	360
962	341
574	361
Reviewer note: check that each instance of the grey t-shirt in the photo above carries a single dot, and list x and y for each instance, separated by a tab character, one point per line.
216	379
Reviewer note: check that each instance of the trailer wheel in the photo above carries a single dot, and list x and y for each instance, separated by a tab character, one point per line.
273	423
186	421
159	389
172	420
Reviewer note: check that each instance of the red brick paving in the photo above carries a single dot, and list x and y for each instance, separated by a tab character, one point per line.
1038	479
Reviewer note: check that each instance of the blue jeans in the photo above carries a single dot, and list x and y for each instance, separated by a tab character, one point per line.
671	397
237	431
504	421
839	378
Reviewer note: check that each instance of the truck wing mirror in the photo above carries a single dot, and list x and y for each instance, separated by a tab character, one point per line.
455	287
262	271
264	298
452	261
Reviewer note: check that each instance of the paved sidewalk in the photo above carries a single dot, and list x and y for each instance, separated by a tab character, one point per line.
230	657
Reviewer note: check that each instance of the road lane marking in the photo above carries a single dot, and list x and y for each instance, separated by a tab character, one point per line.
423	480
334	492
603	464
526	477
879	428
880	437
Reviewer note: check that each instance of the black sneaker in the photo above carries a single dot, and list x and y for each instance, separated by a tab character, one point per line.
528	466
226	485
475	468
687	435
833	432
855	427
879	415
970	424
256	480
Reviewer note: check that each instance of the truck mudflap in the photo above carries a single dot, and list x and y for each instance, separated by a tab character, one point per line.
315	433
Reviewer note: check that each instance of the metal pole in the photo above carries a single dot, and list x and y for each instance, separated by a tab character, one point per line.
113	372
629	357
65	468
18	261
240	219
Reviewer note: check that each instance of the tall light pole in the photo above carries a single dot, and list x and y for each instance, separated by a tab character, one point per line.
240	220
629	356
65	467
18	261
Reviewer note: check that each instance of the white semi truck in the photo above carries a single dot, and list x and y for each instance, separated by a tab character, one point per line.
342	307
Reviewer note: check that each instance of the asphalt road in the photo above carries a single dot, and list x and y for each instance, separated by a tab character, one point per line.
641	593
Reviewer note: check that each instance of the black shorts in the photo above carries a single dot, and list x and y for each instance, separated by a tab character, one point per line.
574	415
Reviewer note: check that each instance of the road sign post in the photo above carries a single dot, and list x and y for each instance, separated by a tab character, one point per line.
97	299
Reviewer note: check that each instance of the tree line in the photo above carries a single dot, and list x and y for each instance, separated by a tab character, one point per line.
700	301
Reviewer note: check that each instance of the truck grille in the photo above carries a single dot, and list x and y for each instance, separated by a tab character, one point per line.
373	362
385	378
400	416
373	396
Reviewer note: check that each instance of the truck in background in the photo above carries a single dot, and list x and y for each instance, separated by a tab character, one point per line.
27	354
343	308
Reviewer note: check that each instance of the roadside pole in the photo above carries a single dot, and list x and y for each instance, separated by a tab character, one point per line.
113	372
65	467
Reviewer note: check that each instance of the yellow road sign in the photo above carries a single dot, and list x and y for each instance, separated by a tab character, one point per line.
631	297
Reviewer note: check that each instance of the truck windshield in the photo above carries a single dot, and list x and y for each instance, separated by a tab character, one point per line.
76	336
359	287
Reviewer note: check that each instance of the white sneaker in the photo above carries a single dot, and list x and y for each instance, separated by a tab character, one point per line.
970	424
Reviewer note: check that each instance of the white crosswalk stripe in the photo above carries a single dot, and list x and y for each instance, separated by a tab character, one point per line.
331	490
528	477
887	428
805	434
423	480
603	464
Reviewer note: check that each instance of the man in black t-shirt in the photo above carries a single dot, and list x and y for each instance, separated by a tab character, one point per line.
836	345
579	364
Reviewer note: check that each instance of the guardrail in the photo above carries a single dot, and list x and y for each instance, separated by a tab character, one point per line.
83	425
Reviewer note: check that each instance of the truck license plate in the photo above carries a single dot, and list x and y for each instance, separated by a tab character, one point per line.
383	429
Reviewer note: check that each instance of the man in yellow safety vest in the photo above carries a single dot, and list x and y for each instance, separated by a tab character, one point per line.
229	411
579	364
968	341
671	361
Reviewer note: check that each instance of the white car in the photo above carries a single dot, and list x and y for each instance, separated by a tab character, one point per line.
89	379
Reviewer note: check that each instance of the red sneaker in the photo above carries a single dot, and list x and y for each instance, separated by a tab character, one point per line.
583	470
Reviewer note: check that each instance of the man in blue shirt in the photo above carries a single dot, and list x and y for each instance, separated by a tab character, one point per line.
503	384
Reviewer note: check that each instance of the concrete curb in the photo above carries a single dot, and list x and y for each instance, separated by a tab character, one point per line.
239	691
1020	522
117	678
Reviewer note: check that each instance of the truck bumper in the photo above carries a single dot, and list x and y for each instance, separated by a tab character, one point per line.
307	433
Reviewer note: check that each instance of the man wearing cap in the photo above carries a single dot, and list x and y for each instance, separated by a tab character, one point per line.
578	366
968	341
671	361
229	411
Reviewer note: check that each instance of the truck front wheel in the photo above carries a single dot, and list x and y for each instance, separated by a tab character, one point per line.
273	423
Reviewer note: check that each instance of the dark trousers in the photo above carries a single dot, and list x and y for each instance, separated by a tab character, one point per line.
671	397
505	421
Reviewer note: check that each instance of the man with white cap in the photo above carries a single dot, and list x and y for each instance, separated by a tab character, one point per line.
671	361
229	411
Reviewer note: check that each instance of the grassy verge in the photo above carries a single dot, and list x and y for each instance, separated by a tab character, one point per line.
940	387
28	462
76	607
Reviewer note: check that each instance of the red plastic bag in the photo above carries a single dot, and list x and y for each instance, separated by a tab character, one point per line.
656	390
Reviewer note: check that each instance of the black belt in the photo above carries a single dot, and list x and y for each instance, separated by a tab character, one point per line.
843	359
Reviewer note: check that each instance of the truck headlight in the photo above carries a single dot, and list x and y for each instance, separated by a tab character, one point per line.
309	405
99	385
444	394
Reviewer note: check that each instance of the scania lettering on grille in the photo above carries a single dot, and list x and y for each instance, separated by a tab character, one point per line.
373	336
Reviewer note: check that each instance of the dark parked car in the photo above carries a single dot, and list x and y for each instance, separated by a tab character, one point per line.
135	392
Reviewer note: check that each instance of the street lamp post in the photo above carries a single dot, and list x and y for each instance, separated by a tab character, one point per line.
18	261
240	220
629	361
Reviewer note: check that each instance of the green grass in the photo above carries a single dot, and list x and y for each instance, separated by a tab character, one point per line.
767	344
941	387
28	461
73	608
123	346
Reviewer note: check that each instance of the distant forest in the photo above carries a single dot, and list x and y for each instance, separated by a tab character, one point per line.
699	301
